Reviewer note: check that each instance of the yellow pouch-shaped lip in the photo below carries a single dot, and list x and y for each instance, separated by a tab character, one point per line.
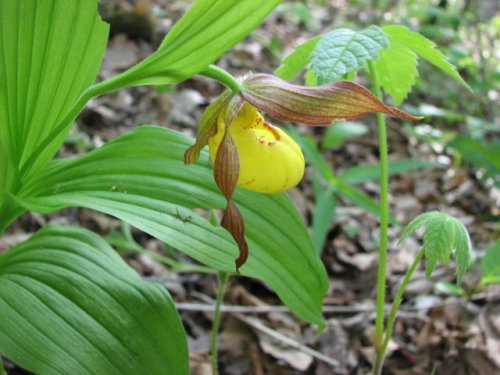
270	161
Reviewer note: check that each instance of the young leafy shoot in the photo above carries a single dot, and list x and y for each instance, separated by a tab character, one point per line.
443	236
397	65
342	51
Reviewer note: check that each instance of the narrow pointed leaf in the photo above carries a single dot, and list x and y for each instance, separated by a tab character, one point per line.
324	213
51	52
360	199
70	305
371	172
141	178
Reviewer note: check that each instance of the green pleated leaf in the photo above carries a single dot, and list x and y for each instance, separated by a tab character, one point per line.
141	179
342	51
50	53
207	30
70	305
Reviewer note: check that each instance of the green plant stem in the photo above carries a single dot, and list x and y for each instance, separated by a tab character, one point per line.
379	360
384	214
399	297
222	279
223	77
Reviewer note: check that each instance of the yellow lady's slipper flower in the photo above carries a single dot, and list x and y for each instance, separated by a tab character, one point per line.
258	156
270	161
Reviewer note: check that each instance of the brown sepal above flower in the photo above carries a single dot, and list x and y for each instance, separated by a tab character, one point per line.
313	105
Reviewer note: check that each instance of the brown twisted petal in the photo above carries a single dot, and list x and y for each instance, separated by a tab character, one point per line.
314	105
226	165
226	173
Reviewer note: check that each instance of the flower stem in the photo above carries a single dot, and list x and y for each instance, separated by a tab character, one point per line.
223	77
384	217
222	278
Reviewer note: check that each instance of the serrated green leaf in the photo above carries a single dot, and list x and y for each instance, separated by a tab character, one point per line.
439	238
490	265
463	249
51	52
371	172
323	215
397	70
420	220
141	179
343	50
423	47
70	305
296	60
